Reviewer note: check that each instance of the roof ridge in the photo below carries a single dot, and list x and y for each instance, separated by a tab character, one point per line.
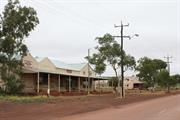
66	62
78	63
64	65
61	64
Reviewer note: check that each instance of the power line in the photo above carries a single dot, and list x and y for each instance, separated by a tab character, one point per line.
69	14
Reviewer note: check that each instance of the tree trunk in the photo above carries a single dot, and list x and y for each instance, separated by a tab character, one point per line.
168	89
117	91
99	86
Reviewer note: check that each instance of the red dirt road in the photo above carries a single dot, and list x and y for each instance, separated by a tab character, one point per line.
165	108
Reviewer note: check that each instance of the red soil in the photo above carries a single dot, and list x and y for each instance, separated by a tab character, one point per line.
67	106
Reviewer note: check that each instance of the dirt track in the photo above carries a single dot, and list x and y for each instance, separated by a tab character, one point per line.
167	108
65	107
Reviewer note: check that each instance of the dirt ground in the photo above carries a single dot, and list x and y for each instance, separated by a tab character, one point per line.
68	106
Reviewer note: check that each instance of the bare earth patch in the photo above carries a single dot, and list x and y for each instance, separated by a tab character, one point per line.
64	106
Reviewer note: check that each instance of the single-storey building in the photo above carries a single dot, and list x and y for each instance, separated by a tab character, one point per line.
47	75
130	82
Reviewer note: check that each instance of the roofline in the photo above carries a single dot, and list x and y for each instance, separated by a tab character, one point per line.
53	72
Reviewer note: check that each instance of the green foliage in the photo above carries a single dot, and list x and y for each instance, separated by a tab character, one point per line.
175	80
110	49
13	85
129	62
109	53
98	61
16	23
167	81
159	64
113	81
2	92
163	78
148	70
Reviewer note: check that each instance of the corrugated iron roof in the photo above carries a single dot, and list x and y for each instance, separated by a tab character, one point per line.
60	64
63	65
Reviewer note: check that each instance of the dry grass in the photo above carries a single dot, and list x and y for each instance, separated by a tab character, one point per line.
27	99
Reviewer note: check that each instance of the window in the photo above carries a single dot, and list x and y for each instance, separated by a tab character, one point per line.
69	71
90	73
84	72
28	63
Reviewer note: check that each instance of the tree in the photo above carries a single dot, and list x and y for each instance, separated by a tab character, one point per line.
16	23
113	81
129	62
167	81
97	61
163	79
110	51
175	80
159	64
148	70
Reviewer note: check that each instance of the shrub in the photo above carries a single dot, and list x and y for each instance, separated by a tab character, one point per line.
13	85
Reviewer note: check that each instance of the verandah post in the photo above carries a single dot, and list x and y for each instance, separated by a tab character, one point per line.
59	83
48	91
69	83
38	82
79	84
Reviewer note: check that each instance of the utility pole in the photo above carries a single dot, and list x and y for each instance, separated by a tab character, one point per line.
88	72
168	62
122	56
168	68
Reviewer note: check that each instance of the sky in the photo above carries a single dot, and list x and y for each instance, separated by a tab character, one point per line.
68	28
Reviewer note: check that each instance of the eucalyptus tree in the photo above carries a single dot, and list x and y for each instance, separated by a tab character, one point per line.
16	23
163	79
175	80
166	81
110	51
148	69
97	61
113	81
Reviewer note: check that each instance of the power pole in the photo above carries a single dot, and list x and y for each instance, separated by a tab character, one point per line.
88	72
168	62
168	68
122	56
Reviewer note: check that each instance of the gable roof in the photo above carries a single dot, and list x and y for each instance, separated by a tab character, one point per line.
63	65
60	64
39	59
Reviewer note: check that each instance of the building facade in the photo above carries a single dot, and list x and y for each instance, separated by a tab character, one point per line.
130	82
45	75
